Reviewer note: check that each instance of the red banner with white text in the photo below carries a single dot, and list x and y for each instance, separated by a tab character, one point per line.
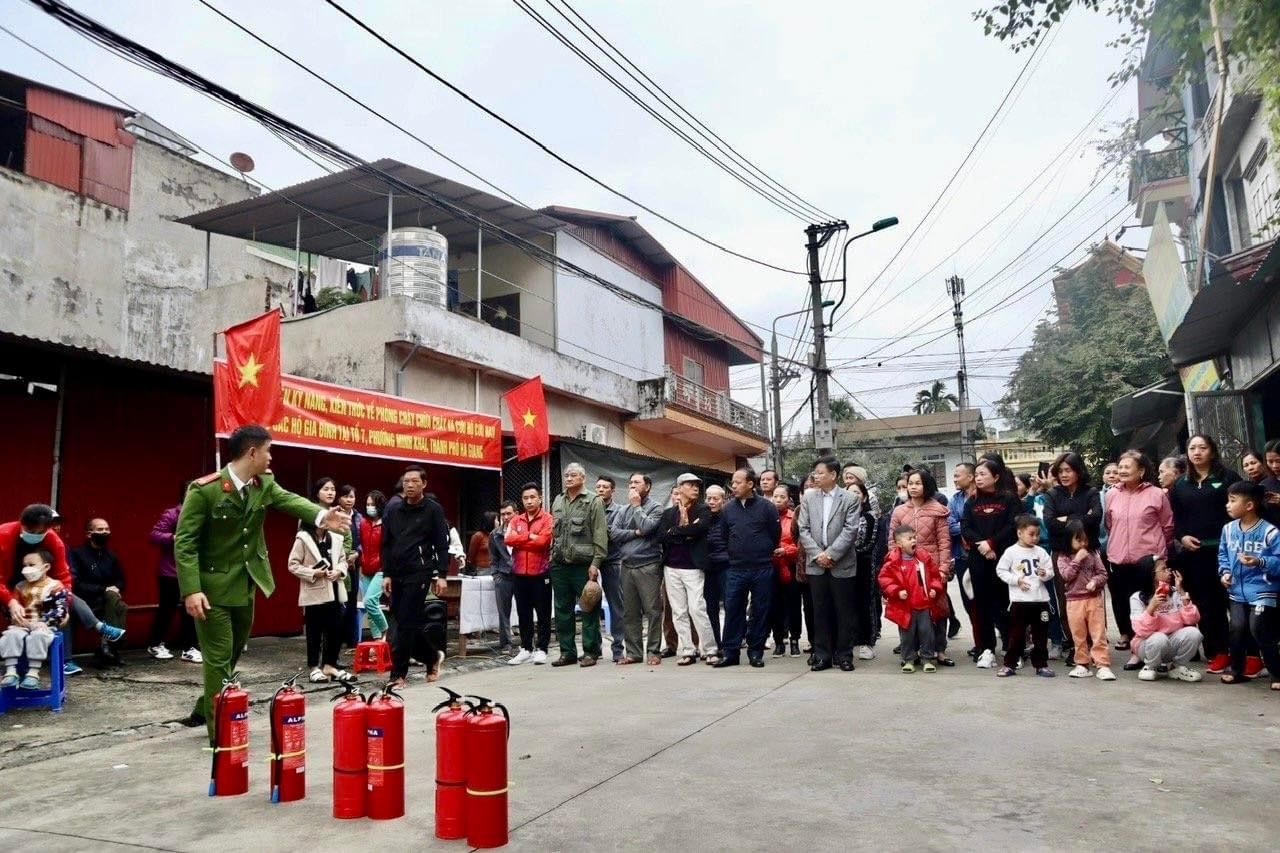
366	423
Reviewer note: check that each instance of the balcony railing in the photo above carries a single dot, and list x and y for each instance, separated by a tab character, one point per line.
1152	166
712	404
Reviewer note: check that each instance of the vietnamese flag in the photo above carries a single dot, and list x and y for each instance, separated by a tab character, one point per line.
528	408
248	385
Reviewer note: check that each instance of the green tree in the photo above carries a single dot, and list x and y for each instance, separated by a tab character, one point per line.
936	398
1063	386
842	410
332	297
1184	26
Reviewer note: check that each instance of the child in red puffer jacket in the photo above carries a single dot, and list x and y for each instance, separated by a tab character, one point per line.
915	598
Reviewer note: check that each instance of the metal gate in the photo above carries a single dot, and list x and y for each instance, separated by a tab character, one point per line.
515	473
1224	415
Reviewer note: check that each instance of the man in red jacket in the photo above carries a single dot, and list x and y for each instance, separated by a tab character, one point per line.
31	532
529	538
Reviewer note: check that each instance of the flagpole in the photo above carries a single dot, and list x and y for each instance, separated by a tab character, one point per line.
217	449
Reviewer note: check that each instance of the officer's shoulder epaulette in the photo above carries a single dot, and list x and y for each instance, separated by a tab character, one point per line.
207	479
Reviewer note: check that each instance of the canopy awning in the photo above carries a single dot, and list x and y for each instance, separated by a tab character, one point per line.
1219	309
1154	404
344	215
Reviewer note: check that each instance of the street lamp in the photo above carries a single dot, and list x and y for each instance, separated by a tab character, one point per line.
878	225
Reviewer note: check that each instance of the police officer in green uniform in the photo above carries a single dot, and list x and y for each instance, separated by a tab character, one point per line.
221	554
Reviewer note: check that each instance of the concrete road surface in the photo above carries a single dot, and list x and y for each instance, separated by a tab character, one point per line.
629	758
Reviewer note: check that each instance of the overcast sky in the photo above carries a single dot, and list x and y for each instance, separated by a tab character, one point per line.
862	109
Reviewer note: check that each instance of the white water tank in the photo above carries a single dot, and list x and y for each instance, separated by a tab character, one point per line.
416	265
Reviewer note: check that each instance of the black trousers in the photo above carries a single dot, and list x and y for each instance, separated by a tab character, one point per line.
171	601
991	601
1200	580
713	595
833	617
806	600
323	624
784	611
407	602
1263	628
866	604
1026	616
533	594
1124	580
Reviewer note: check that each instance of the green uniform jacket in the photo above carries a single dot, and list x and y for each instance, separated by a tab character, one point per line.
219	546
581	531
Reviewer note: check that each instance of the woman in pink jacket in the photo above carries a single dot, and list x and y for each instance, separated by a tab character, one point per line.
923	512
1139	523
1164	624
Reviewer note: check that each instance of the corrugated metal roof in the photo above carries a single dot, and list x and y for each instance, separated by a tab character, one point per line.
51	159
78	115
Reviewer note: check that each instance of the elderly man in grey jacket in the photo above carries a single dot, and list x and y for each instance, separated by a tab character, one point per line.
634	530
830	522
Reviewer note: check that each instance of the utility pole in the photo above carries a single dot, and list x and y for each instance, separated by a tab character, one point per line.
779	379
955	289
823	437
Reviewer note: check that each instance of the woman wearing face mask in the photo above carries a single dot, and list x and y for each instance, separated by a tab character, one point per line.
1139	524
352	615
989	526
371	565
1199	502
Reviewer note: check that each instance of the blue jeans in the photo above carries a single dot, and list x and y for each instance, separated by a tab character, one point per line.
374	617
740	583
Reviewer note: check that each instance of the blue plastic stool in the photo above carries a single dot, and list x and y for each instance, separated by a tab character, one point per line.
51	697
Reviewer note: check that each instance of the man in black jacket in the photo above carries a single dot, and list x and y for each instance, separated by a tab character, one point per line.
717	561
753	533
415	553
98	586
683	531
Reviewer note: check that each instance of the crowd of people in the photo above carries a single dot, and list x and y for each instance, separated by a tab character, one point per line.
1187	552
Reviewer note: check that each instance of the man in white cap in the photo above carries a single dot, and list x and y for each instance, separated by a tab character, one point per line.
684	529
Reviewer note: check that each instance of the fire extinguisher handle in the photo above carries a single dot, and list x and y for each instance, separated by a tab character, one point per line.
348	689
454	699
498	706
292	680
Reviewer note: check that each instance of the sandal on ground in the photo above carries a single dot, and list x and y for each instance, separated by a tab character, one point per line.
1122	646
317	676
1232	678
686	660
654	660
711	660
343	677
627	661
1006	671
1275	685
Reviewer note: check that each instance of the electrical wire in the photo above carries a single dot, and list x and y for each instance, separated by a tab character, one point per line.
527	136
676	107
782	204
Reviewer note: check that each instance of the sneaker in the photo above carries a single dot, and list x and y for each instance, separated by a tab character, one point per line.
986	660
866	653
1218	665
908	667
1055	652
779	649
1253	667
160	652
524	657
539	657
1105	674
1186	673
71	668
112	634
10	680
1082	671
1045	672
30	681
192	655
795	649
1147	674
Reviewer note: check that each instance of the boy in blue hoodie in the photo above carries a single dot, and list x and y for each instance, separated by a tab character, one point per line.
1249	567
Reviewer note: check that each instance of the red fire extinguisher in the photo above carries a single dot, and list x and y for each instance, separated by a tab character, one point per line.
385	728
350	753
451	767
486	746
229	774
288	758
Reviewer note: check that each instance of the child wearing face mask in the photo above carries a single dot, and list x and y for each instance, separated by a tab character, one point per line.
371	563
44	602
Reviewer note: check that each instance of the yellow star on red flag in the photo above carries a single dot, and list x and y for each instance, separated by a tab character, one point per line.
249	371
529	418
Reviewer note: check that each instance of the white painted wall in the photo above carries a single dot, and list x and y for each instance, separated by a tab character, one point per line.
534	281
602	328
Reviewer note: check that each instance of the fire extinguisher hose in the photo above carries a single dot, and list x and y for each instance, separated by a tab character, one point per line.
215	749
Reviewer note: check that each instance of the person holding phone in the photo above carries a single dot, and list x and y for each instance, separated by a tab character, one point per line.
319	562
1165	623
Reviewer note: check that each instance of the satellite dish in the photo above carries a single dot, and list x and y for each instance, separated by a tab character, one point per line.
242	162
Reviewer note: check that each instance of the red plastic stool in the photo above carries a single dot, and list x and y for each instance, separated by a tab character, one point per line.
372	656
